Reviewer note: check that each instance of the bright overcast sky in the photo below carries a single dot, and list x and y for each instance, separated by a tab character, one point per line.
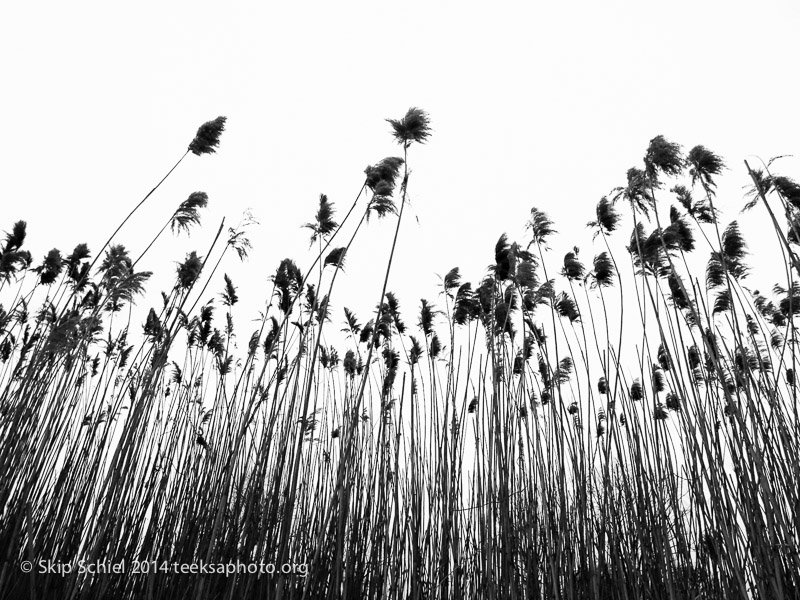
531	103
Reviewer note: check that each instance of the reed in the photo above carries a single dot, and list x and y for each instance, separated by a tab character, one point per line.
534	434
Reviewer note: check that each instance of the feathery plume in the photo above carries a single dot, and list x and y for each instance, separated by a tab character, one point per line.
467	306
206	140
703	166
607	218
435	346
287	280
504	259
715	274
189	270
352	323
349	363
382	176
416	351
323	222
678	235
566	307
393	306
540	225
603	270
413	127
187	213
426	317
637	192
451	281
229	296
16	237
336	257
788	188
573	268
51	267
663	156
659	384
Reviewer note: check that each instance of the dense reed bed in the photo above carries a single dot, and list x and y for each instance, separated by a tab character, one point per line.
625	427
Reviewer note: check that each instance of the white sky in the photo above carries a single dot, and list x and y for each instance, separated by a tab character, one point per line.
532	104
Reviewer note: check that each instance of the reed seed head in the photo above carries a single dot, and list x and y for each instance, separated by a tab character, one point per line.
206	140
413	127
